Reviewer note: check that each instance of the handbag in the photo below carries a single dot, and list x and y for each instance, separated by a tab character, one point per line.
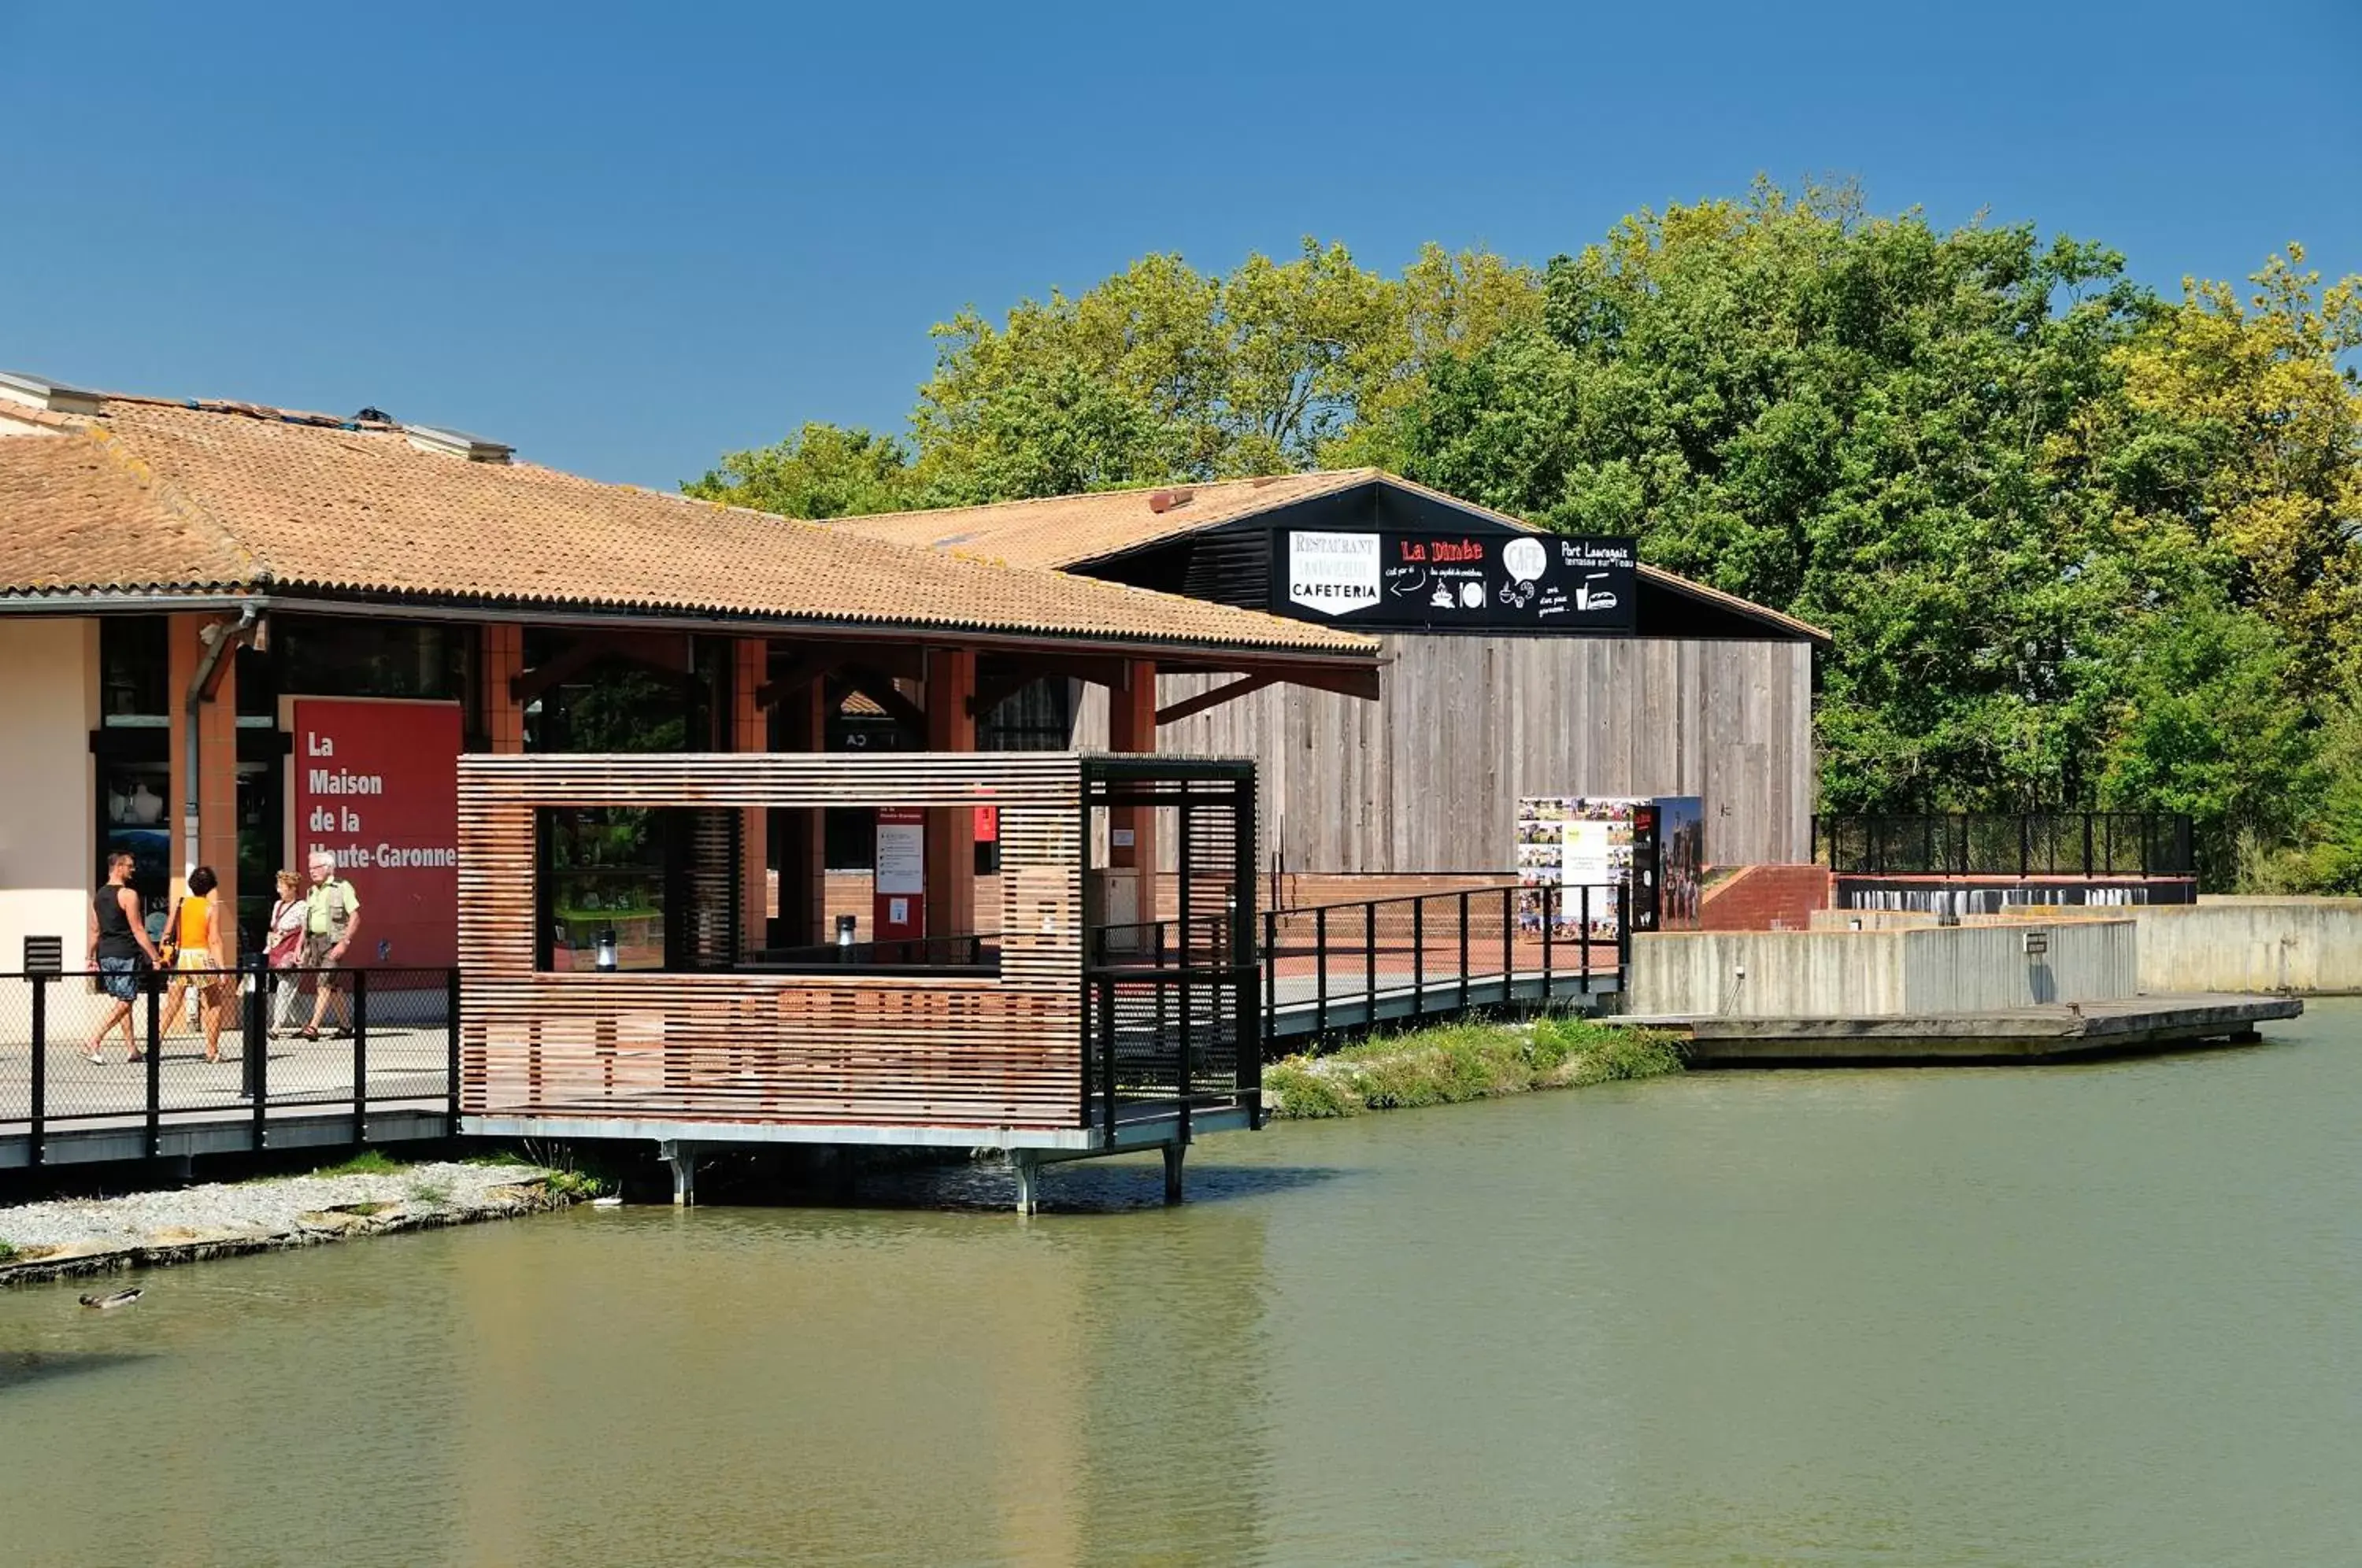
168	952
284	944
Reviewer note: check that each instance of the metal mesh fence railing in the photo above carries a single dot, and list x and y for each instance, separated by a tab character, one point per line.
2034	844
152	1051
1437	952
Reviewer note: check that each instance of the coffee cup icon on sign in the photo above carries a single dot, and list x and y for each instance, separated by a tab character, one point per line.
1526	560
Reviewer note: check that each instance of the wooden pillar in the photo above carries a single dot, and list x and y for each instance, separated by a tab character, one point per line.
503	662
951	835
750	730
216	771
1132	726
803	837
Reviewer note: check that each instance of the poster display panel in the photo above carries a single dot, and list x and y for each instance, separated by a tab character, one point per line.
1443	583
899	884
376	783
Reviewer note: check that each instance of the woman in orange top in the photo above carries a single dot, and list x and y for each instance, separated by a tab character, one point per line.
196	962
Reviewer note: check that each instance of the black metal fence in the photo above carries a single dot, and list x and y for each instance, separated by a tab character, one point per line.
2040	843
1170	1026
1350	965
149	1058
1346	965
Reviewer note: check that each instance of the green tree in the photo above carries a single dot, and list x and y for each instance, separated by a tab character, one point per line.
822	470
2210	723
2270	447
1850	417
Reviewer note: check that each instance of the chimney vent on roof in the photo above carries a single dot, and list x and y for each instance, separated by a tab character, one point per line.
456	444
51	397
1165	501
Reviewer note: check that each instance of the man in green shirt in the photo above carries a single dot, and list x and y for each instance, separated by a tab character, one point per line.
332	918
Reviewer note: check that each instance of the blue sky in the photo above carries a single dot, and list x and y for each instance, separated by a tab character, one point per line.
625	238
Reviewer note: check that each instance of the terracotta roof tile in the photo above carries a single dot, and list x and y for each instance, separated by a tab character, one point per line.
1069	530
158	497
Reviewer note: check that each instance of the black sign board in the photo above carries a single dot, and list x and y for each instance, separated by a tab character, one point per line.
1392	579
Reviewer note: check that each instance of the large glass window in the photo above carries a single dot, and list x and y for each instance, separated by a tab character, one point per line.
608	878
135	671
357	657
619	705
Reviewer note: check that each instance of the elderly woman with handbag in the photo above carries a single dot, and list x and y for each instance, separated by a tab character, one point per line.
285	950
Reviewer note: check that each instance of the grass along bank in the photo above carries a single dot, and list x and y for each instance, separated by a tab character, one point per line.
1458	1062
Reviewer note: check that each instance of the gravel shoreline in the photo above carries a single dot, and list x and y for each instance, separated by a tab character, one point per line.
71	1236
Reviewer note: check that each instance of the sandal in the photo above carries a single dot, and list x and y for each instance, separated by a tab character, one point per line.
307	1033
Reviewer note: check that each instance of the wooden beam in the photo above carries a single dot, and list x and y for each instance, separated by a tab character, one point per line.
1213	697
653	649
1360	680
795	675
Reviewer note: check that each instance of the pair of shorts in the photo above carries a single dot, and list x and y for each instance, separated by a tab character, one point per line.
120	977
317	945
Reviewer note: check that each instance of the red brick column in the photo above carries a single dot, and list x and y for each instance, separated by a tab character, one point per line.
751	731
216	769
804	883
1132	726
951	835
503	661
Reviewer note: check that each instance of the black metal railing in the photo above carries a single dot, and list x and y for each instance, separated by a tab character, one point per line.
1354	964
388	1039
1172	1020
2035	844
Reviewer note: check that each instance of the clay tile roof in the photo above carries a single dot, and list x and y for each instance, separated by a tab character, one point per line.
1070	530
162	498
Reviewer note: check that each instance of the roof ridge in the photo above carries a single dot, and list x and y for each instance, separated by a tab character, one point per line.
1085	495
174	498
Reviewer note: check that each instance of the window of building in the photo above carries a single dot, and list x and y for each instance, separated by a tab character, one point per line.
321	655
620	705
657	886
135	671
1035	717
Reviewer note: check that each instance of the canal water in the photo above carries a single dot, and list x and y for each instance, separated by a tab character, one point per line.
2082	1315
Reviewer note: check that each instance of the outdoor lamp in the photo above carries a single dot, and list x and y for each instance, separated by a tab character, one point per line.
844	931
604	958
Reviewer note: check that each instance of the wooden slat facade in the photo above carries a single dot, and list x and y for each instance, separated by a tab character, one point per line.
953	1051
1426	778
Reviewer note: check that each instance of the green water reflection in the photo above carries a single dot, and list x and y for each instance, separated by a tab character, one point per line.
2102	1314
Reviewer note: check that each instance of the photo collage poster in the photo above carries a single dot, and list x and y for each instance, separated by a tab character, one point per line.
1569	842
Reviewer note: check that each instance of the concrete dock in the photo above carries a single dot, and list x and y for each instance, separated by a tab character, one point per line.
2058	1033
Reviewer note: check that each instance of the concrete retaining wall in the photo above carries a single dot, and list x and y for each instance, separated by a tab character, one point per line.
1919	973
2253	944
2306	946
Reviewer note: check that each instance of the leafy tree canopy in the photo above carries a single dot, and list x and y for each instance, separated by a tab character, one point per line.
2077	543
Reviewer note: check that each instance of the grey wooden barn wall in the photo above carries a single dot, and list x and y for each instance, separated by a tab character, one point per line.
1426	778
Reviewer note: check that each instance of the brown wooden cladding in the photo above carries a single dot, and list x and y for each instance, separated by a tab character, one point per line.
1427	777
871	1050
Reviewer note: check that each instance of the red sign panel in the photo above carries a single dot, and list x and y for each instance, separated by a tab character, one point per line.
377	784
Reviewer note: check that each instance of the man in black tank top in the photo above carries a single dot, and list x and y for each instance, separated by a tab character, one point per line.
118	946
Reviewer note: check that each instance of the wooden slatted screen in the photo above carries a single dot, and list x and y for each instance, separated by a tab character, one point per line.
873	1050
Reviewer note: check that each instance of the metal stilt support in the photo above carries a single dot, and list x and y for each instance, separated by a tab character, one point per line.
1173	1153
683	1156
1028	1168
